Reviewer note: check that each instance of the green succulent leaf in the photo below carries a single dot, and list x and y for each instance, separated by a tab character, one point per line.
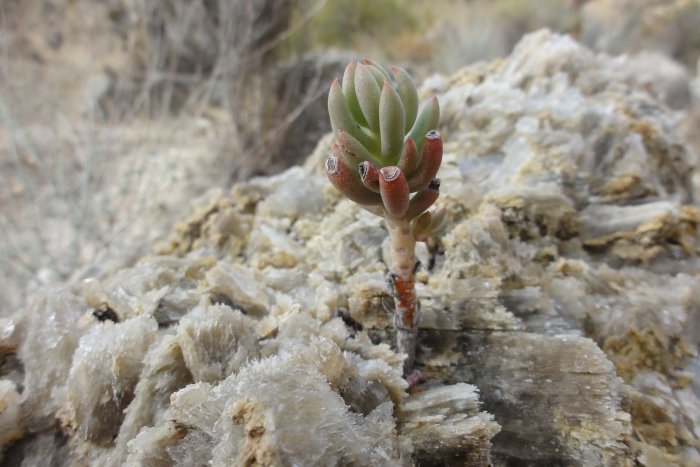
427	119
421	224
439	220
368	94
409	95
342	119
379	72
351	96
352	146
392	122
384	150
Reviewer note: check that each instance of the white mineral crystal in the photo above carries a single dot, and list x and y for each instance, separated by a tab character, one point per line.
108	361
48	332
12	425
239	284
294	408
216	341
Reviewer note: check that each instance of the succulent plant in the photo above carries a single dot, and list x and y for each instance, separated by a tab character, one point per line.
385	158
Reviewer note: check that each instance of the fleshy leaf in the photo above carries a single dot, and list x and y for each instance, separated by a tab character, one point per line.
379	72
421	224
369	175
427	119
391	123
439	220
348	183
430	161
368	94
342	119
350	145
408	161
409	95
393	188
422	200
350	95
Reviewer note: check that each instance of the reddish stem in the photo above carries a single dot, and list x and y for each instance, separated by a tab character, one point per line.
402	285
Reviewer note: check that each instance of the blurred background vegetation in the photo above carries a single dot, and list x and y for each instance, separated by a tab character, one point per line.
115	115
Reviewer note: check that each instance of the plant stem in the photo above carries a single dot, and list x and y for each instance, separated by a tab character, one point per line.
402	283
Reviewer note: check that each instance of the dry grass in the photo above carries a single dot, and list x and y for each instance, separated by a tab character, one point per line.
102	151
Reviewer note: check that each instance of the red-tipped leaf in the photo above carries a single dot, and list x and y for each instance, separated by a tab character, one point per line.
409	158
348	182
428	118
431	158
369	175
345	157
393	188
422	200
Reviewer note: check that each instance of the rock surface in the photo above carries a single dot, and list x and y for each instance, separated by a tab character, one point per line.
560	298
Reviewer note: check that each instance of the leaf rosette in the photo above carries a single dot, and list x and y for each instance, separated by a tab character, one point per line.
387	150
